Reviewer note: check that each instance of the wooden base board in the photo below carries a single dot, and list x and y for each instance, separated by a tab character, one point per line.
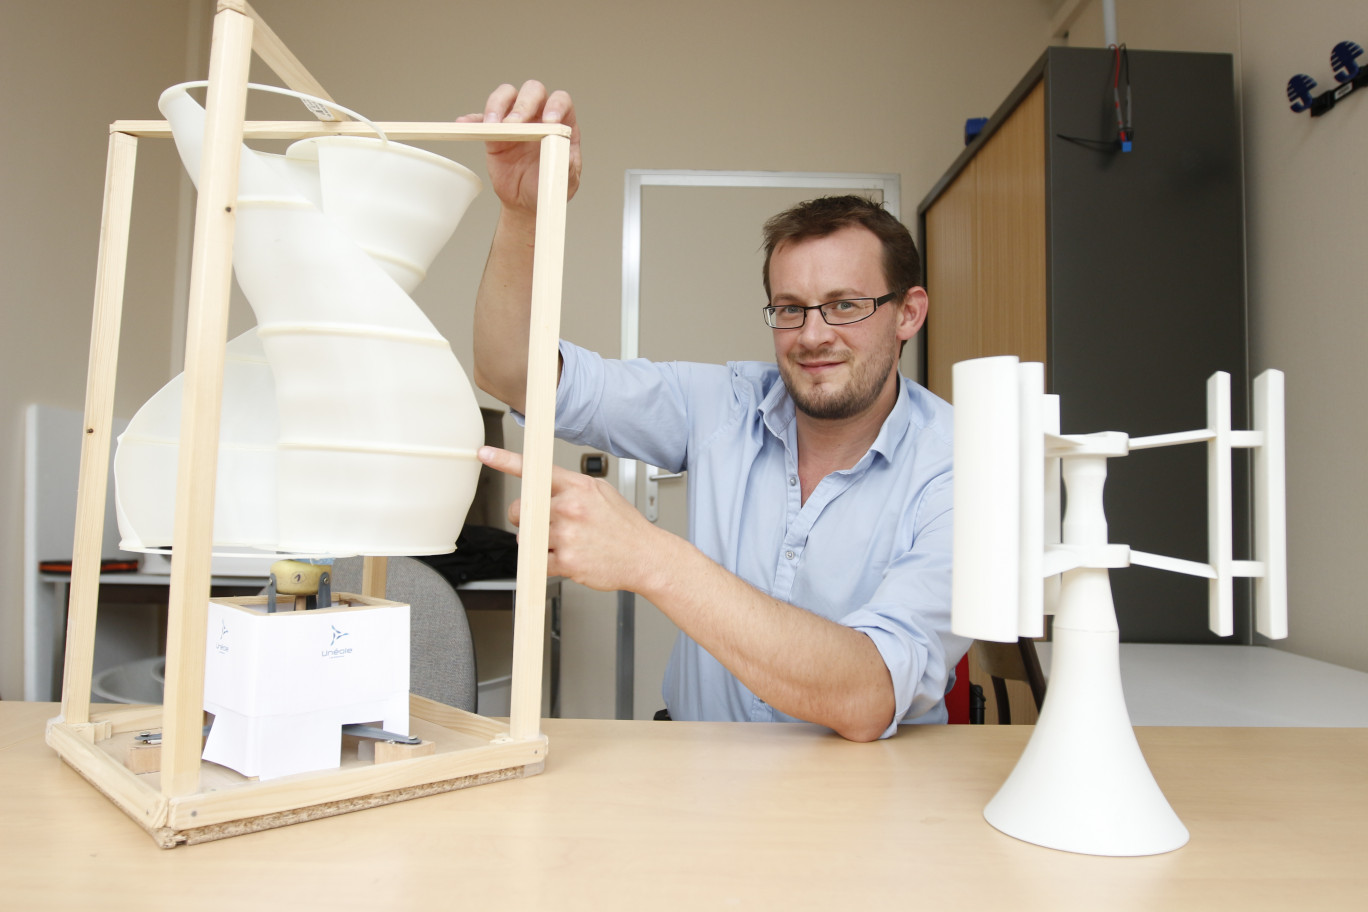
168	838
465	750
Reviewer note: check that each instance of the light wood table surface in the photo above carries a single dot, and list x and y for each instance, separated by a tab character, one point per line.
657	815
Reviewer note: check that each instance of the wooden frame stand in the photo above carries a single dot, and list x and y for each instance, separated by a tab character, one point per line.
181	802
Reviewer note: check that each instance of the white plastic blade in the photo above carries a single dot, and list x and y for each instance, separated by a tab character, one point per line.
1221	610
987	499
1270	506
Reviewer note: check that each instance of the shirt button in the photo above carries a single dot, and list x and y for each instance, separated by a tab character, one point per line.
788	554
793	480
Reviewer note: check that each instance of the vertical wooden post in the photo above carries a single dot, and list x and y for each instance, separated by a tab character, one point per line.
99	413
374	574
206	335
530	604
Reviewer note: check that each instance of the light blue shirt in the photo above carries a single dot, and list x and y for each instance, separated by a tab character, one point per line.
870	549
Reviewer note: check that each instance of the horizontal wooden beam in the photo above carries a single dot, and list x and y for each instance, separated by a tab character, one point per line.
398	130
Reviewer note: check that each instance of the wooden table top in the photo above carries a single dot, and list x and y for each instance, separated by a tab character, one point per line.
650	815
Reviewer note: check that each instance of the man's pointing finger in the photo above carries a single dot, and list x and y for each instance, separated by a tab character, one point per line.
503	460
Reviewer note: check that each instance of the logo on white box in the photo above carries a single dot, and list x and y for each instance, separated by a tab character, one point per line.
334	651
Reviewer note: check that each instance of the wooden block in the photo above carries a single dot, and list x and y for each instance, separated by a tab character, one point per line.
389	751
93	732
143	758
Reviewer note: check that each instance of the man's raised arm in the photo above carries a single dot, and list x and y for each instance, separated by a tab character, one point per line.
502	307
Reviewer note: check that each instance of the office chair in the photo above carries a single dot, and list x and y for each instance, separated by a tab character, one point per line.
1005	662
441	650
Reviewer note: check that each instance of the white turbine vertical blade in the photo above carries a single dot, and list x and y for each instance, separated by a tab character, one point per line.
1031	588
987	499
1054	501
1221	607
1270	506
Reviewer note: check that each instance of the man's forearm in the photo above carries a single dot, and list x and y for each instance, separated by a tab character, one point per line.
503	310
801	664
798	662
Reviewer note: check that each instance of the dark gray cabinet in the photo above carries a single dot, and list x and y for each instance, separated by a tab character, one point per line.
1124	273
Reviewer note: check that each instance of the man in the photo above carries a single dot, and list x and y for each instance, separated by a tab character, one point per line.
818	584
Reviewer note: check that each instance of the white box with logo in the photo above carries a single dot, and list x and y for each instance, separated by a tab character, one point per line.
282	685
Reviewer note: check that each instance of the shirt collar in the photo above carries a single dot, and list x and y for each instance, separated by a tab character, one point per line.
894	427
777	409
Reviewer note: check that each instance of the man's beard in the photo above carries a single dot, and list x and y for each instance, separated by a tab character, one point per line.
861	391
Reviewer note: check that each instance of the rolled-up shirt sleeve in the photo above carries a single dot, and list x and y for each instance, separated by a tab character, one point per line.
908	616
645	418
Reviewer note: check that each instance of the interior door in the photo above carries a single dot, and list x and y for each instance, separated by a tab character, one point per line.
700	294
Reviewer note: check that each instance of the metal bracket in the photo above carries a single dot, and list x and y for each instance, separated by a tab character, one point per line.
310	584
378	734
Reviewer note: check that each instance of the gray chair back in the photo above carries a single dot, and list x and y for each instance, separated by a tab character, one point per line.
441	651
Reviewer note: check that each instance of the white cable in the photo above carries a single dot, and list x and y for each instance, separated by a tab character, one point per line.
309	101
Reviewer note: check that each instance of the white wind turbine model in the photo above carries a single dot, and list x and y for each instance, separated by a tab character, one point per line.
1082	784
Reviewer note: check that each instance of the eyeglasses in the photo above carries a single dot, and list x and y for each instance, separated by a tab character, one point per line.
835	313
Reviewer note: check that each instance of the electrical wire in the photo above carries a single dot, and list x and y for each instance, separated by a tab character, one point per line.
1125	134
1123	121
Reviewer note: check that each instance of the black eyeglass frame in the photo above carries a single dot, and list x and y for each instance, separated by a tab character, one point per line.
770	309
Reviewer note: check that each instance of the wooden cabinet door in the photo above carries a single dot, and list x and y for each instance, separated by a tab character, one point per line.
985	251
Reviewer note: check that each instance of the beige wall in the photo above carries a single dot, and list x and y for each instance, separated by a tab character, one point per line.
1306	188
866	85
66	70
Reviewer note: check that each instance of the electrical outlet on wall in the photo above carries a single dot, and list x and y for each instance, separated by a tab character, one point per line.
595	465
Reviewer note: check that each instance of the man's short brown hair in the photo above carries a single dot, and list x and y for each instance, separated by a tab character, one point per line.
826	215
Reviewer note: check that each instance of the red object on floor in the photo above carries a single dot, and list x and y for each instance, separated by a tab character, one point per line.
957	700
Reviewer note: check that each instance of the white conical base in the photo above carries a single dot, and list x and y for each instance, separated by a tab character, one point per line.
1082	784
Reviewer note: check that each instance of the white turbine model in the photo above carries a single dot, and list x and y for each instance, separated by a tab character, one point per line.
348	426
1082	784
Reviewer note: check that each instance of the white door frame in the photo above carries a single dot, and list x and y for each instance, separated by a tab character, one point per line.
637	178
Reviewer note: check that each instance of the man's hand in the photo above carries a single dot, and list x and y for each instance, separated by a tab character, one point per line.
513	166
596	537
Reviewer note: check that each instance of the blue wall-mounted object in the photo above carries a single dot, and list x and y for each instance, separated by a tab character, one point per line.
1299	92
972	128
1344	61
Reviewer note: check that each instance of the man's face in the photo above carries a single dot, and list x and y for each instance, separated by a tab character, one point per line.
838	372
